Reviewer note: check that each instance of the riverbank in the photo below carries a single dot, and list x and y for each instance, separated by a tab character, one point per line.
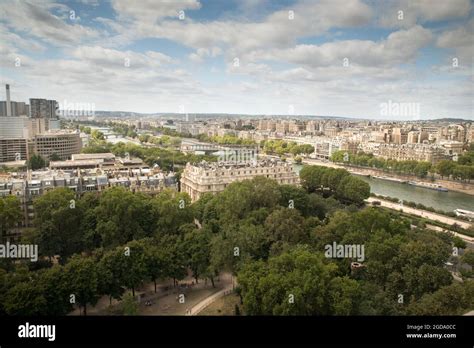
421	213
450	185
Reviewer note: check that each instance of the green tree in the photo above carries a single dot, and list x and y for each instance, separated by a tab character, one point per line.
110	270
25	298
56	290
123	216
36	162
241	198
133	265
197	251
454	299
83	279
332	177
171	210
286	225
155	262
445	168
57	223
97	135
286	285
312	177
10	214
345	296
468	258
129	305
353	189
296	197
54	157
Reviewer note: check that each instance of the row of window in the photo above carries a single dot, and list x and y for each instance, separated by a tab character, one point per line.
245	172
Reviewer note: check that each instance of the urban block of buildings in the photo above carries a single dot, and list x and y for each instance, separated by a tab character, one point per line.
113	172
34	129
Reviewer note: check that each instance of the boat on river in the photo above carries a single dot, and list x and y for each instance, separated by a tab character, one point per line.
428	185
465	213
388	178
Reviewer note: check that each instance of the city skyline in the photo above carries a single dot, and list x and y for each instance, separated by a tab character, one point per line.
246	57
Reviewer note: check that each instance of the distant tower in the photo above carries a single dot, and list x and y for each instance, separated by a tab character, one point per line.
9	105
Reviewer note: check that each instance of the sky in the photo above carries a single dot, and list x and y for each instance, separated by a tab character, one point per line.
348	58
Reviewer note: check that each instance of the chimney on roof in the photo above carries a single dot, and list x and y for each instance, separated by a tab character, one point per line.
9	105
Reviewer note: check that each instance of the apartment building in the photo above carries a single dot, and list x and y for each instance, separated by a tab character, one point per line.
411	152
204	177
28	186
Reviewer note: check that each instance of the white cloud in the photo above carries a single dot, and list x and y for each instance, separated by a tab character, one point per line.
274	69
461	40
399	47
151	10
35	19
276	30
420	11
202	53
106	58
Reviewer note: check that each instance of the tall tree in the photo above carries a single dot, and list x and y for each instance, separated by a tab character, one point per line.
36	162
197	250
286	225
293	283
83	279
132	264
110	269
123	216
10	214
155	262
171	210
353	189
57	221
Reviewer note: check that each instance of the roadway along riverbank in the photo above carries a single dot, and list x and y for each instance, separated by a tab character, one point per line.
421	213
467	239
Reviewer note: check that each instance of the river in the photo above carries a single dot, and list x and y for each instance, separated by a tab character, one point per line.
115	139
447	201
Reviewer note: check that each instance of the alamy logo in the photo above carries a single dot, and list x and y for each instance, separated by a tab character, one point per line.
19	251
70	109
400	109
239	156
345	251
37	331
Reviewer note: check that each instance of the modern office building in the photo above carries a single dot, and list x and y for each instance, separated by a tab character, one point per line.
17	109
14	149
43	108
61	143
205	177
15	127
14	138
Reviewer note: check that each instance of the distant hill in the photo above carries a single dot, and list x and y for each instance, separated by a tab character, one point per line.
447	119
129	114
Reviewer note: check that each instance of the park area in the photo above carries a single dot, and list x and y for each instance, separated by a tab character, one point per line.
168	299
